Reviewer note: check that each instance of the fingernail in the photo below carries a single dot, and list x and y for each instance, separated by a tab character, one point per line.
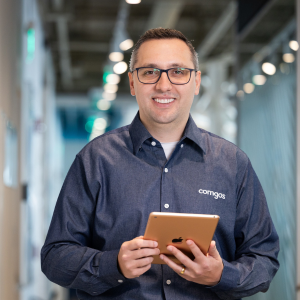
170	248
189	242
161	257
155	244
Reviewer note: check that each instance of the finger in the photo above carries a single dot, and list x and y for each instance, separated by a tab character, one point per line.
181	257
212	251
144	252
195	250
143	262
138	243
175	267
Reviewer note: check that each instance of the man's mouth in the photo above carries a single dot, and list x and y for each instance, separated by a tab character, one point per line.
160	100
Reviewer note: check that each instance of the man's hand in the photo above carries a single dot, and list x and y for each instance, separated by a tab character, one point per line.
204	269
135	256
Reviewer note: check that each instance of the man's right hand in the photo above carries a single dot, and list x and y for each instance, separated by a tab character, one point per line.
135	256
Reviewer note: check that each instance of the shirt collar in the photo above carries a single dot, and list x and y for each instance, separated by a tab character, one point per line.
195	134
139	134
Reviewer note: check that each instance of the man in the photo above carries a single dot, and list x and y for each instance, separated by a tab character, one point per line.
161	162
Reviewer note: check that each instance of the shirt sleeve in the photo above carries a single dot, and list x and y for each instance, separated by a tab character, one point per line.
66	257
257	243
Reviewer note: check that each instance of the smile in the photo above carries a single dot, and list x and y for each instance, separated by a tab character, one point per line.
158	100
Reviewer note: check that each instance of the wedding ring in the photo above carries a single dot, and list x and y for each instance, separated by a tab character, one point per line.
182	271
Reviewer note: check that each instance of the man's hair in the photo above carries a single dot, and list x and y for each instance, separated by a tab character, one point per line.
161	34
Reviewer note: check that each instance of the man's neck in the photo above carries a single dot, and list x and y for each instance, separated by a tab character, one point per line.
166	133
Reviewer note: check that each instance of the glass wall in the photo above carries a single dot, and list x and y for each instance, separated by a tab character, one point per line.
267	133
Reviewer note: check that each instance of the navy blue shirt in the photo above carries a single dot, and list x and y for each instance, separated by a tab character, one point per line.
119	178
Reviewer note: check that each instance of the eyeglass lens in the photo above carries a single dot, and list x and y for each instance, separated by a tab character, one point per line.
176	75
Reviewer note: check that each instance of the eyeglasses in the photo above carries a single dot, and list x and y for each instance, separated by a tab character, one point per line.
152	75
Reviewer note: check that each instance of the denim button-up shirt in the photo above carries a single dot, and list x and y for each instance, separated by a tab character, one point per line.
119	178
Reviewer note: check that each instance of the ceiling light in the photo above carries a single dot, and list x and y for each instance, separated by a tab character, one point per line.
103	104
259	79
116	56
100	124
294	45
109	96
249	88
269	68
120	67
288	57
110	88
113	78
127	44
133	1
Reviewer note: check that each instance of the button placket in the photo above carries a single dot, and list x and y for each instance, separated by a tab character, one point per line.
166	182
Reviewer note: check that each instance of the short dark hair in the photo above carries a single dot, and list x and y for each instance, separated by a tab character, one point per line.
159	34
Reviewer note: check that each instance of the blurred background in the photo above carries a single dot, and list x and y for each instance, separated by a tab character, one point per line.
63	81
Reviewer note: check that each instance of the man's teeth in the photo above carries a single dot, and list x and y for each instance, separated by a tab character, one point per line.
164	100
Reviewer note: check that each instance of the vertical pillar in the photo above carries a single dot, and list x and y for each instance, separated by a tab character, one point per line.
10	192
298	153
216	71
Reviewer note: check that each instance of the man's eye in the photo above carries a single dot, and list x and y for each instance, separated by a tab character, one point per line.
178	71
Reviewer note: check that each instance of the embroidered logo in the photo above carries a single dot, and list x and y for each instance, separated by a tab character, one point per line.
215	194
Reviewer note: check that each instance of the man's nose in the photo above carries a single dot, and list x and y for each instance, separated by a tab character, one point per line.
164	83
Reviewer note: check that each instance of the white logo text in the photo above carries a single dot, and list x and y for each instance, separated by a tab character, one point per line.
215	194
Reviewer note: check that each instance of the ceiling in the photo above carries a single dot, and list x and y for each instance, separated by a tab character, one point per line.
79	32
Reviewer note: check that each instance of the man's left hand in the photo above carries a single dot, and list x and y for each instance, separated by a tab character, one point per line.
204	269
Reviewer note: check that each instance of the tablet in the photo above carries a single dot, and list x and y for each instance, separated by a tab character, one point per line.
175	228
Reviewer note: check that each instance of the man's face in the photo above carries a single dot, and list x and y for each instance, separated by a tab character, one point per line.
164	54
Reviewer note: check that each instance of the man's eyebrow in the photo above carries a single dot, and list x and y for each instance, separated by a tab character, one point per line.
150	66
174	65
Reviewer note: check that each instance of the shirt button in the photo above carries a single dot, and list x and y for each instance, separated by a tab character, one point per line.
120	280
166	170
168	281
153	143
166	205
181	146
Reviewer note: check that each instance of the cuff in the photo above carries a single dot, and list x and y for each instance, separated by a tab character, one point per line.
229	278
108	268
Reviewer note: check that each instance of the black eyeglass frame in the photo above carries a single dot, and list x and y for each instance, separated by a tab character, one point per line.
161	71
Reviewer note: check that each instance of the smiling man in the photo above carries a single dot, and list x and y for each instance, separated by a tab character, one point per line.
161	162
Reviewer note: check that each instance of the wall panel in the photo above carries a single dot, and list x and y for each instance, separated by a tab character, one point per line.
267	133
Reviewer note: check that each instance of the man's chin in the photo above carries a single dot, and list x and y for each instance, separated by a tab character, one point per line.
164	120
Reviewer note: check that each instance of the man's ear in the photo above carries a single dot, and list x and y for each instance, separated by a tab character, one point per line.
131	84
198	82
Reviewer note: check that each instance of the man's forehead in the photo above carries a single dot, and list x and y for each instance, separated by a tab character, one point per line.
164	43
171	52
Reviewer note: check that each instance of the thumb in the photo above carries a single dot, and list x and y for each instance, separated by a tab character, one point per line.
212	251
